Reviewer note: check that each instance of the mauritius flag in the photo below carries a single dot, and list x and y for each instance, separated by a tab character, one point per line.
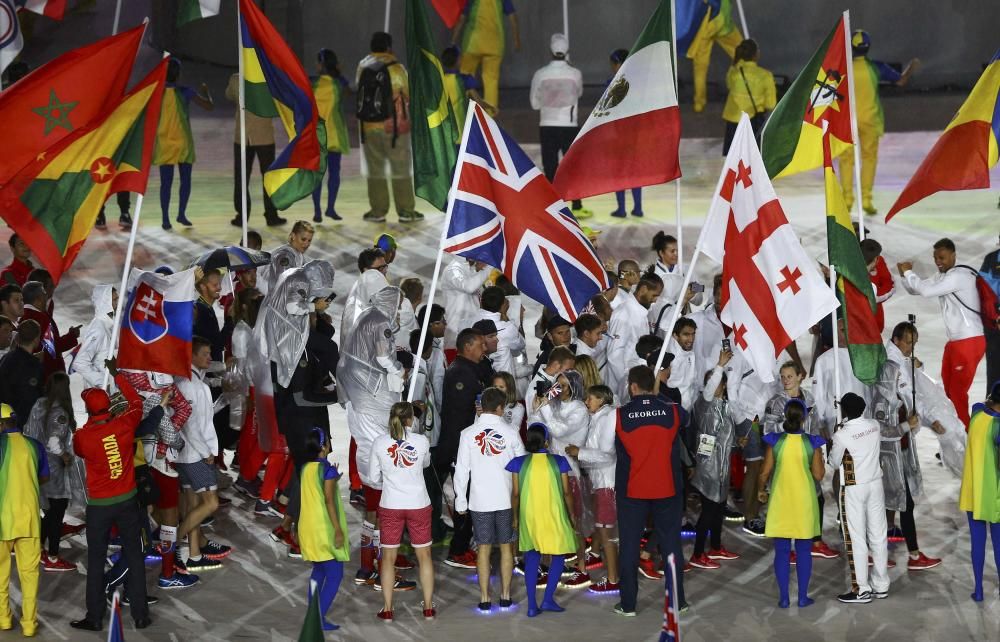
632	136
792	140
53	202
854	287
275	84
433	125
56	100
158	322
961	159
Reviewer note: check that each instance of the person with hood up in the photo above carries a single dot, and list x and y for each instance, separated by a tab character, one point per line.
287	256
89	360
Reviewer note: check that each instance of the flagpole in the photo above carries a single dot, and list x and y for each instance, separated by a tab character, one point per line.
836	346
116	325
565	4
388	8
677	184
243	124
418	357
118	15
854	125
743	19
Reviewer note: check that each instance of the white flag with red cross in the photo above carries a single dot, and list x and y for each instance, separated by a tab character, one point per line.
772	291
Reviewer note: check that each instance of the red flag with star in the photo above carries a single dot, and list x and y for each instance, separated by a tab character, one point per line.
62	96
772	292
53	202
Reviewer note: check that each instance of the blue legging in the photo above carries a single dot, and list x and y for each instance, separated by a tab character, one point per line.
327	576
167	183
803	567
531	561
332	185
636	199
977	528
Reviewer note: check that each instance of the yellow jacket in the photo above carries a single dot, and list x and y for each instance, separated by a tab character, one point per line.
755	96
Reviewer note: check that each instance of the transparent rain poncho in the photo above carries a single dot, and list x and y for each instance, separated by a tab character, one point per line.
716	436
368	374
899	466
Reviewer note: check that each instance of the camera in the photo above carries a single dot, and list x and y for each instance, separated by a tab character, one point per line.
726	346
542	388
697	287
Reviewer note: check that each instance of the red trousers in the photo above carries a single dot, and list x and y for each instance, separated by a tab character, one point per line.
248	450
352	467
958	369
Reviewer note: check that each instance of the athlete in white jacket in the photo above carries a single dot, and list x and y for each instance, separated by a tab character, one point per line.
460	284
856	446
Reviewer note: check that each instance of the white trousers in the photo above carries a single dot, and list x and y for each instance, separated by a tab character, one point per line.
365	428
865	531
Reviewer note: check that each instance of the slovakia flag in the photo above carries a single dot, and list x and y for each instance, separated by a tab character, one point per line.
157	323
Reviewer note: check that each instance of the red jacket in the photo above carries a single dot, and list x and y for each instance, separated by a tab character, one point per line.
53	344
16	273
883	285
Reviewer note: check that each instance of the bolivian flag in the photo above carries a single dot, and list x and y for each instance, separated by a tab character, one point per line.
961	159
854	286
275	84
792	140
433	130
53	202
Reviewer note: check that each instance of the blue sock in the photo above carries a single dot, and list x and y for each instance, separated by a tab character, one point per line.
334	572
555	573
977	529
620	197
184	169
166	184
333	181
636	199
803	569
531	561
782	566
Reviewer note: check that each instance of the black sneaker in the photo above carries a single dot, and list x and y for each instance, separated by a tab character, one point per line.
856	598
273	219
400	584
125	221
357	498
754	527
215	551
880	595
731	514
101	223
202	564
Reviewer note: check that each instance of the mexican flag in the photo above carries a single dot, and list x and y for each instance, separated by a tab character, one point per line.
632	136
792	140
188	10
854	286
433	127
53	202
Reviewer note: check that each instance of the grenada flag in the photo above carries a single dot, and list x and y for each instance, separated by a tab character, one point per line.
792	140
53	202
961	159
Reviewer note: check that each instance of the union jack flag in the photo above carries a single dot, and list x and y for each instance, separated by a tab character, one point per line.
671	625
505	213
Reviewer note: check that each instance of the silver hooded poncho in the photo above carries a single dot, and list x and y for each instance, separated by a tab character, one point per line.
368	374
900	468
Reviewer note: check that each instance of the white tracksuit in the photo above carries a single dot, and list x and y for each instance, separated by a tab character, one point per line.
864	501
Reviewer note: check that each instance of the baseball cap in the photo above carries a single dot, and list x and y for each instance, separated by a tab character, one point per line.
6	412
386	242
860	41
559	44
486	326
556	322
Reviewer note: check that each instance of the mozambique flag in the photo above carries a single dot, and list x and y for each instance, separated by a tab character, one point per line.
854	286
433	126
961	159
57	99
190	10
53	202
277	85
792	140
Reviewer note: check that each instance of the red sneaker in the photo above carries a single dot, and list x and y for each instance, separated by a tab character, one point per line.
647	568
429	613
577	580
723	554
59	565
791	558
385	616
594	561
891	563
69	530
403	563
604	587
702	561
820	549
278	534
922	563
463	560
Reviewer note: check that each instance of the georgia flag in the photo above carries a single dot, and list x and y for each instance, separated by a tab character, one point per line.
772	291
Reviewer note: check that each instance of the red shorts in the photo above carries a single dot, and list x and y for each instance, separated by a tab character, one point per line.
605	508
170	489
417	522
373	497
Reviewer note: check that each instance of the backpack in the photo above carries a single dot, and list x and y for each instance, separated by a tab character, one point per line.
375	101
989	304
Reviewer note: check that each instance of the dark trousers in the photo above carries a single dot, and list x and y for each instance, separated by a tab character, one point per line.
265	156
555	141
52	524
907	524
710	521
124	201
434	491
461	538
100	519
632	517
992	358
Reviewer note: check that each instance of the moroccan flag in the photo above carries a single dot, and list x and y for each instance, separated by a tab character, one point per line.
449	10
277	85
49	8
792	140
631	137
961	159
854	287
53	202
312	627
57	99
189	10
433	127
772	291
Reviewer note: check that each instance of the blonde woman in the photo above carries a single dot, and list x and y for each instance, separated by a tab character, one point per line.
587	368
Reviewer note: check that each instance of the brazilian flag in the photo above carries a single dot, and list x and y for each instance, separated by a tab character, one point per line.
53	202
433	131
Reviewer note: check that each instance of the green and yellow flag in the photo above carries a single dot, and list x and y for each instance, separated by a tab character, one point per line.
53	202
433	131
189	10
854	286
792	140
